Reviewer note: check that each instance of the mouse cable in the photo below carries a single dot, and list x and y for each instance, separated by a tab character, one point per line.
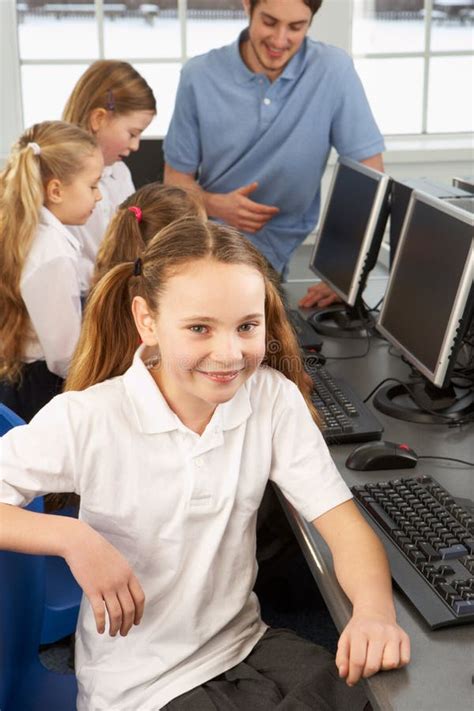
448	459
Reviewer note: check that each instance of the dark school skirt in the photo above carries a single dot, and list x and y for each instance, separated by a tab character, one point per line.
283	673
35	389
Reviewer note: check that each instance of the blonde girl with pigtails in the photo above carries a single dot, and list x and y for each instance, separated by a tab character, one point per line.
115	104
50	182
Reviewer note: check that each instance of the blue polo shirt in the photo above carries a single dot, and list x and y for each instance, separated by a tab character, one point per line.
232	126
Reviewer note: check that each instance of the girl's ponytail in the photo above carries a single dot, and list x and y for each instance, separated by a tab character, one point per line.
52	149
123	242
108	337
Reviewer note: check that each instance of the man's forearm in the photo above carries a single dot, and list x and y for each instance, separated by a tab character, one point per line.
188	181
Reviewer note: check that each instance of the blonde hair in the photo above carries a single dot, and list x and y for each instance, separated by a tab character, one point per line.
111	85
109	337
52	149
127	237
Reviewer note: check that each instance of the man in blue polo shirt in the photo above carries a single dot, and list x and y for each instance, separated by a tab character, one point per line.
254	122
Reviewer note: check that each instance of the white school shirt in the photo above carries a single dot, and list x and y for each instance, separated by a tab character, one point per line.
115	185
182	509
50	287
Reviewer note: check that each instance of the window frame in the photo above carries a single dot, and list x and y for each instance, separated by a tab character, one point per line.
332	24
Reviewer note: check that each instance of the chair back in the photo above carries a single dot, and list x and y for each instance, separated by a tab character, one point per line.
22	590
8	419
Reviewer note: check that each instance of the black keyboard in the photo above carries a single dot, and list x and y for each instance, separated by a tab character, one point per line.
429	539
305	333
345	418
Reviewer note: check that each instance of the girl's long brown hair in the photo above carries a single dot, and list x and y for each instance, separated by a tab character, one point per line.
127	236
63	149
109	337
111	85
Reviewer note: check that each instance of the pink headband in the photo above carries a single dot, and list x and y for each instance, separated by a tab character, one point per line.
137	212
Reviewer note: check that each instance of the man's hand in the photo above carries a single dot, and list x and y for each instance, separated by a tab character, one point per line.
371	643
236	209
319	295
108	582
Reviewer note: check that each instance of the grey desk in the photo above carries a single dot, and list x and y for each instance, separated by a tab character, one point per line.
440	676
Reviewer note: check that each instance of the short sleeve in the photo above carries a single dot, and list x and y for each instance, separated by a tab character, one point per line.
301	463
53	301
182	145
38	458
354	132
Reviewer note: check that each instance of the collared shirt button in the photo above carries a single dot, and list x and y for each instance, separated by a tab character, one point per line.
199	462
267	101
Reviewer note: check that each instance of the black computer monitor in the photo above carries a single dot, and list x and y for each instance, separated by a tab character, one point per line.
348	241
400	195
427	309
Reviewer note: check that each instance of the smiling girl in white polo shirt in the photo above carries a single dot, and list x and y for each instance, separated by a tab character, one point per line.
170	449
115	104
49	183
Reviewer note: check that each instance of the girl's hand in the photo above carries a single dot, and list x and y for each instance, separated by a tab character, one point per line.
107	580
370	643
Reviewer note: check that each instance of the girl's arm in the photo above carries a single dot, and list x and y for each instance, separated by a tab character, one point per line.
52	298
372	640
102	572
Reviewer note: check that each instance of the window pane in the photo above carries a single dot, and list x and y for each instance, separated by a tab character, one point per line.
219	23
57	31
163	79
451	27
140	29
46	90
450	99
394	88
387	26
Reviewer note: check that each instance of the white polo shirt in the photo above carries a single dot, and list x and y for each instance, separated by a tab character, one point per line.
182	509
115	186
50	287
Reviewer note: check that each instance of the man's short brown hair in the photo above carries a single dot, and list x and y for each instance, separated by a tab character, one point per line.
313	5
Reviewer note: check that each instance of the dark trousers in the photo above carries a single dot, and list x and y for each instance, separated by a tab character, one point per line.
35	389
282	672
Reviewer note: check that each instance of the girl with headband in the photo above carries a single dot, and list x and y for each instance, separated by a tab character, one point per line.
115	104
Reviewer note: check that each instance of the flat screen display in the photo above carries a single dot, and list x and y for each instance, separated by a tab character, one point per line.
348	226
430	282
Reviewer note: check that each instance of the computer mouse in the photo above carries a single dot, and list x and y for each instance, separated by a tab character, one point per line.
373	456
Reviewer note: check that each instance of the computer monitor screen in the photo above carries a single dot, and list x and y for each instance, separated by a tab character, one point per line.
430	287
351	228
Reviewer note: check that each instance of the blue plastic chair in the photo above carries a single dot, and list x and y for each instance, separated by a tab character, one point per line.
62	596
25	685
8	419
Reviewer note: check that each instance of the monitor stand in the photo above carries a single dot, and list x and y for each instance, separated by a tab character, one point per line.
449	402
343	321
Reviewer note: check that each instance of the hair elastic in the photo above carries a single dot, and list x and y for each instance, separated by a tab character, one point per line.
137	267
34	147
137	212
110	103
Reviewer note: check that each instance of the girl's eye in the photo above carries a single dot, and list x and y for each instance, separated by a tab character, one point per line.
247	327
197	329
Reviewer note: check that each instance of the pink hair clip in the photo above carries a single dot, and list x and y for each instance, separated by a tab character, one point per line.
137	212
